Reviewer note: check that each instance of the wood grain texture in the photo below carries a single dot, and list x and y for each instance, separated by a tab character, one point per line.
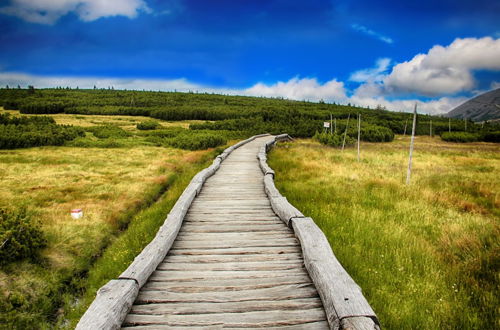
110	307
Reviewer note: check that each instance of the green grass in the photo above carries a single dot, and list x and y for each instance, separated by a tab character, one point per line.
426	255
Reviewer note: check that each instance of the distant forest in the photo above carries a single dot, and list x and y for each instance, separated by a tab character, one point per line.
248	115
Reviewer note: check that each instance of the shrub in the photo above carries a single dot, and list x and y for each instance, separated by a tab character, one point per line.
25	132
491	136
197	140
374	133
20	236
461	137
148	125
333	140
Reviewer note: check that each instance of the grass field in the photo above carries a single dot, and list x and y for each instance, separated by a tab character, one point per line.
426	255
112	186
126	122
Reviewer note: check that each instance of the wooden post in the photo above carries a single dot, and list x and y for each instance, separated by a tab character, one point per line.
331	125
345	133
359	132
406	123
449	125
408	174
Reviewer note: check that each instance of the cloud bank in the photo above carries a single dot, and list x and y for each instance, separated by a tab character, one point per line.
440	73
49	11
445	70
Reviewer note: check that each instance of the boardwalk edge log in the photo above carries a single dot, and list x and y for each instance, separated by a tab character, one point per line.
343	300
114	300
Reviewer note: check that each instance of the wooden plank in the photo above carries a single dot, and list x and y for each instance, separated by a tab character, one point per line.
225	307
246	319
358	323
228	244
318	325
228	283
233	258
205	275
237	266
111	305
237	251
294	291
186	235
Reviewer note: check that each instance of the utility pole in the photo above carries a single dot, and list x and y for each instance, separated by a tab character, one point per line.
359	131
345	133
406	123
408	174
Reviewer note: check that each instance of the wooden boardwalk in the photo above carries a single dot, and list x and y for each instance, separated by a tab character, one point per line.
234	263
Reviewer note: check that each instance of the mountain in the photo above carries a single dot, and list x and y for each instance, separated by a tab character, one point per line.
480	108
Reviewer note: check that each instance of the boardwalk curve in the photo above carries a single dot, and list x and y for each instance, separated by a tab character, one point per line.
239	256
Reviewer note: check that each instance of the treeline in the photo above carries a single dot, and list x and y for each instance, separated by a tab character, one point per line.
24	132
234	113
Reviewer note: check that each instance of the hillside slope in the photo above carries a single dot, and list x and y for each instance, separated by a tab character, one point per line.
480	108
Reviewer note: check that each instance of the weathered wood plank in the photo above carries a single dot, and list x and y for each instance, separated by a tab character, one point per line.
318	325
233	258
228	244
234	274
238	266
358	323
225	307
228	284
246	319
237	250
109	309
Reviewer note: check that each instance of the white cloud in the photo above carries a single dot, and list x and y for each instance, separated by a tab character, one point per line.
376	35
372	74
301	89
49	11
445	70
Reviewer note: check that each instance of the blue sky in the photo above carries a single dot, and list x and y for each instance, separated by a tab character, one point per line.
364	52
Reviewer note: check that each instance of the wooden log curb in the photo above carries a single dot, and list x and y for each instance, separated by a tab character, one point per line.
114	300
343	300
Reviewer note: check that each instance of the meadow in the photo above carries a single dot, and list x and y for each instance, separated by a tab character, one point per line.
427	255
112	184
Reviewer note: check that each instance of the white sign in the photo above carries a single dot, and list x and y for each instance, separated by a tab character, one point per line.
77	213
326	124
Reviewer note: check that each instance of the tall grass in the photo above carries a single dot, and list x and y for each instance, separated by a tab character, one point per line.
426	255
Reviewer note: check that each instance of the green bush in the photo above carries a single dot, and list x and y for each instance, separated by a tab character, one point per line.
192	140
373	133
333	140
148	125
491	136
20	236
25	132
461	137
